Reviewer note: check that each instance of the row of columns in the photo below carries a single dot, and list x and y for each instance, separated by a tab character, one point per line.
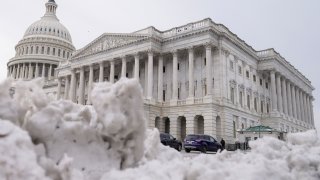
71	93
29	71
289	99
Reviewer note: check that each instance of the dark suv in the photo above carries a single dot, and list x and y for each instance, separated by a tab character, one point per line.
168	140
200	142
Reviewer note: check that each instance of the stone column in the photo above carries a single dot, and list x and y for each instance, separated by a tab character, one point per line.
145	89
298	104
101	68
284	96
30	71
23	71
59	88
18	72
289	101
136	66
294	102
50	72
81	86
150	74
308	108
209	68
37	71
191	67
14	72
112	71
303	106
123	67
175	75
279	98
72	92
160	79
43	70
273	91
66	87
90	83
311	111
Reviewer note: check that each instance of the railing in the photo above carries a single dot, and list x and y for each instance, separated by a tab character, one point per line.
186	28
266	53
181	102
198	100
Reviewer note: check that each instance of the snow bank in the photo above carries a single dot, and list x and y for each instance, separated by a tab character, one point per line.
43	139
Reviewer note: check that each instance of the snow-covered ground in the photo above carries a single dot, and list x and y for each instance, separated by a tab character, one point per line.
45	139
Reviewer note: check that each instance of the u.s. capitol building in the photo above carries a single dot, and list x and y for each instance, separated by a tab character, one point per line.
196	78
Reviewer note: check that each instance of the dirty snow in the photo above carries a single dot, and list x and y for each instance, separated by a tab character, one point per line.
45	139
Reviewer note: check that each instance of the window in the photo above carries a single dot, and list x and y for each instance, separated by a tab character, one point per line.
232	94
42	50
178	66
254	78
37	49
240	98
248	101
205	61
178	93
255	104
59	52
260	82
54	51
231	65
67	55
164	69
268	108
247	74
164	95
267	85
234	129
48	50
27	51
116	77
240	70
31	49
127	74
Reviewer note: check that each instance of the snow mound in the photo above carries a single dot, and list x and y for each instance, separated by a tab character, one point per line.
61	140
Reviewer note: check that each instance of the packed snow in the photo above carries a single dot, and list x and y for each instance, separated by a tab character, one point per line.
42	138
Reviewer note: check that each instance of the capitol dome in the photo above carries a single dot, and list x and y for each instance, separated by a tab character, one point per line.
45	44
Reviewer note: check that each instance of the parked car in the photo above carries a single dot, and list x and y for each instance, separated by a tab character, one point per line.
200	142
168	140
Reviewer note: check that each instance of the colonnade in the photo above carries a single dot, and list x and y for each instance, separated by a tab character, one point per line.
31	70
70	80
289	99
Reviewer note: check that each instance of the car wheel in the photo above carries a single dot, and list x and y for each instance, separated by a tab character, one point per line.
187	150
179	147
204	149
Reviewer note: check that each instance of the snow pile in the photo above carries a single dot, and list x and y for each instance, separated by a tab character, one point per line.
60	140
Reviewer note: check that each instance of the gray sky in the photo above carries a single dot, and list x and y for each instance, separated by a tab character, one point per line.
292	27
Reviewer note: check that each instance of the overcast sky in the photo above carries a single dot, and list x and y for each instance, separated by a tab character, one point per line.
292	27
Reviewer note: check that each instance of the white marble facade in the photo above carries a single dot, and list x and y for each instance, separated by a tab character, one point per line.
196	78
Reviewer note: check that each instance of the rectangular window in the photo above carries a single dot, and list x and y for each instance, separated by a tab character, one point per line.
178	66
260	82
164	69
164	95
231	65
267	85
255	104
254	78
54	51
232	94
59	52
247	74
240	98
248	101
48	50
240	70
205	61
178	93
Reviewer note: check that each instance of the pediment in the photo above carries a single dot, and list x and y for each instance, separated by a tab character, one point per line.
108	41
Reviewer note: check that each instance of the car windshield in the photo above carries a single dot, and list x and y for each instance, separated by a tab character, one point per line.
163	136
192	137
